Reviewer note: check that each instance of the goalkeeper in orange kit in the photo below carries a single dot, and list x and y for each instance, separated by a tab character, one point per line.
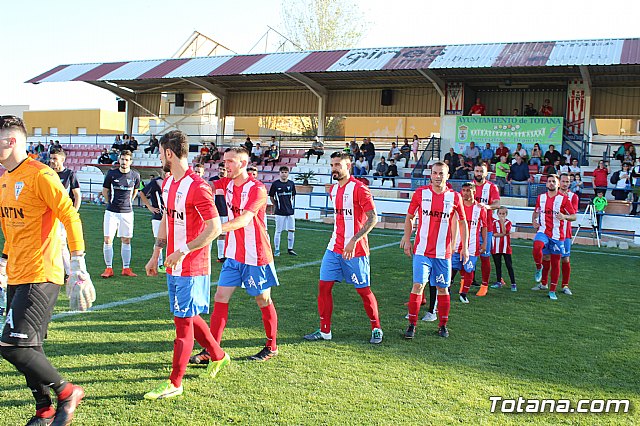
32	201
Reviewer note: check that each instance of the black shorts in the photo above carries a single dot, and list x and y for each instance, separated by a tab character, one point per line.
29	310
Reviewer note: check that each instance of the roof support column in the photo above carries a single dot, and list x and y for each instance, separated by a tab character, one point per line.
128	124
321	93
220	93
586	78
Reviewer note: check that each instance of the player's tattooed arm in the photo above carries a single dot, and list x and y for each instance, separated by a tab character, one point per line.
372	219
161	243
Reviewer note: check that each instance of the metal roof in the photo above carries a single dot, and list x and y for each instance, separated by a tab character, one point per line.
603	52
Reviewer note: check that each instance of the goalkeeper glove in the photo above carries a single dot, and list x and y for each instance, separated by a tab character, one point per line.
80	289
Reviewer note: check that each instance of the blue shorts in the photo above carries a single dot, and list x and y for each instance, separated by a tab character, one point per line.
551	246
254	279
487	251
436	272
567	247
355	271
456	263
189	296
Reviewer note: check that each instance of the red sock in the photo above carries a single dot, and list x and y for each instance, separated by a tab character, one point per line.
204	337
219	320
325	305
468	279
414	307
566	273
370	305
182	347
65	392
444	304
555	271
546	265
537	253
270	321
486	269
46	412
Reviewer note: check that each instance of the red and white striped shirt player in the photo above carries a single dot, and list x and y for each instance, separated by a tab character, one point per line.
188	204
575	202
350	204
435	213
249	245
548	208
486	194
476	220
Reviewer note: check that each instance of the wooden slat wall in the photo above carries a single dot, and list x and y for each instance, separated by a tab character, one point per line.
615	102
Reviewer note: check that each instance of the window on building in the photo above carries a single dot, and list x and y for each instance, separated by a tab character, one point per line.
53	131
81	131
37	131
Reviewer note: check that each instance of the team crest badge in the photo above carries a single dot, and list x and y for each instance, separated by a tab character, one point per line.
18	189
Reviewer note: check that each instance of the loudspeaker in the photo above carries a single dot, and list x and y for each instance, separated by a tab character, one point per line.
122	106
387	97
179	99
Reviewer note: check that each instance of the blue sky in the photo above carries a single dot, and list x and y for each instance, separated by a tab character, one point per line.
40	34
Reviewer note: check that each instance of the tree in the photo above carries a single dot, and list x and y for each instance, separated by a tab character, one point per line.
323	24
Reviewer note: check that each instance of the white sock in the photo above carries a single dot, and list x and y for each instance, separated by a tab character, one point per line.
66	258
290	238
276	241
160	259
107	251
220	249
125	252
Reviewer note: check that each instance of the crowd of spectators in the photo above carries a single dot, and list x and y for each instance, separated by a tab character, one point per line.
546	110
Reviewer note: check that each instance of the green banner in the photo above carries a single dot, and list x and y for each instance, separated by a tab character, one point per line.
510	130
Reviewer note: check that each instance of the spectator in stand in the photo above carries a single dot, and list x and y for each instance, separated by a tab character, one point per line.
114	155
599	203
104	157
317	148
501	151
515	112
635	186
354	148
576	186
369	151
153	146
204	154
40	148
520	150
519	177
536	156
551	156
487	153
133	144
405	152
546	109
214	153
478	108
452	158
463	169
124	143
600	177
622	182
471	153
381	169
566	157
574	168
31	149
347	149
502	171
392	172
272	155
256	154
248	145
552	169
394	152
629	155
415	146
530	110
117	141
361	166
499	112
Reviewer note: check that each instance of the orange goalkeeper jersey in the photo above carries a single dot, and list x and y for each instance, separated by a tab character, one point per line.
32	200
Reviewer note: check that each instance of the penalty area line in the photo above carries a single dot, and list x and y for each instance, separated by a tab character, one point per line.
152	296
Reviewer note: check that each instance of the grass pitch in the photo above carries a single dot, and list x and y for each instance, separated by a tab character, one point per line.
584	346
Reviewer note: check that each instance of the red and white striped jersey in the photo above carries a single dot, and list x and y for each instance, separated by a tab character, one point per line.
476	220
486	194
501	245
435	213
575	201
188	203
548	209
249	245
350	204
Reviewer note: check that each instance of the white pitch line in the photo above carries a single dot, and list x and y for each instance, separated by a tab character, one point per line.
151	296
632	256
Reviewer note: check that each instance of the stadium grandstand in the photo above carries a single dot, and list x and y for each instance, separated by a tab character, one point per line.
581	80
